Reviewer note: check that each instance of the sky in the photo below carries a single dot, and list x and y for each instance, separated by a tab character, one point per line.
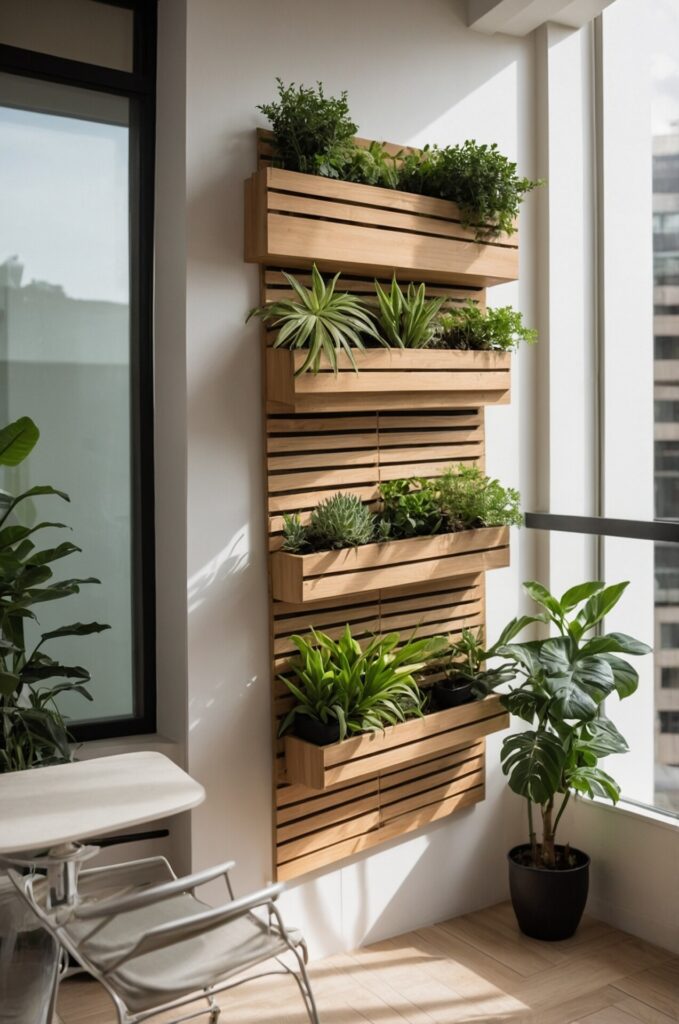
664	16
64	202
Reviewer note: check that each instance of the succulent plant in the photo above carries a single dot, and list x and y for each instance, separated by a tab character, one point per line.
342	521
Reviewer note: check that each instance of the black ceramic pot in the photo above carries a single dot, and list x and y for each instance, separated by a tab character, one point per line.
548	902
452	692
313	731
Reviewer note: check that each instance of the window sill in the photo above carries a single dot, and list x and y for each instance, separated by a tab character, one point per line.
630	810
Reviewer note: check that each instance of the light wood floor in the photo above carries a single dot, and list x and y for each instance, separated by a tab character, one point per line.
476	968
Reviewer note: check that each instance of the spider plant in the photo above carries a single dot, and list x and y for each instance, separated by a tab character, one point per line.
408	320
320	319
363	689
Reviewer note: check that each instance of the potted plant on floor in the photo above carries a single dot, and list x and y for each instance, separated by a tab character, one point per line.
561	684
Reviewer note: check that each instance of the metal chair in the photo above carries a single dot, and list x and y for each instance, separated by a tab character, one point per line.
156	947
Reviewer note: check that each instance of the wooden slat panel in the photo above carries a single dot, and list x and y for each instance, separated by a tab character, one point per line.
324	446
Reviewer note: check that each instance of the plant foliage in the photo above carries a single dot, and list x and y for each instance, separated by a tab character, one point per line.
407	319
463	660
479	178
341	521
561	684
410	508
469	327
320	319
362	688
32	729
469	499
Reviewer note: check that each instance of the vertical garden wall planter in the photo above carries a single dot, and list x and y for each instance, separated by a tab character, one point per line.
294	220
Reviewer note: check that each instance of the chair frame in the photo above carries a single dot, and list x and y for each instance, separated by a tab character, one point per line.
162	936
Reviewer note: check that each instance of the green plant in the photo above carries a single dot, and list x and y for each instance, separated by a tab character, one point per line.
320	320
313	133
365	688
481	180
372	165
469	327
410	508
341	521
407	320
564	681
469	499
295	534
32	729
464	658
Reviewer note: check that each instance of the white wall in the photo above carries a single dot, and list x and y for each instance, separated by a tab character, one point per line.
409	81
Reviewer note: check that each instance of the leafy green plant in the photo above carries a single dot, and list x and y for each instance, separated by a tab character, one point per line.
363	689
469	499
481	180
463	660
372	165
321	320
407	320
562	683
312	132
32	729
469	327
295	534
341	521
410	508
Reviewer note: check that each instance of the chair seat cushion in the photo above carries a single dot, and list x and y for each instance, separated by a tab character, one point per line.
187	966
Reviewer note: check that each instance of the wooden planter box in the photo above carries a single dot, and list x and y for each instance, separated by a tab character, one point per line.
294	220
300	578
389	379
371	753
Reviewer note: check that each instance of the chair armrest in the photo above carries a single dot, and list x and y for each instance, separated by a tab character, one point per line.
154	894
184	928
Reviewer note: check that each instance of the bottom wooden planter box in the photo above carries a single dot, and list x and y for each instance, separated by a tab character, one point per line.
396	563
371	753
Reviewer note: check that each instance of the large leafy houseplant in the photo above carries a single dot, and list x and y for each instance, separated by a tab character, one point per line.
32	729
359	688
560	687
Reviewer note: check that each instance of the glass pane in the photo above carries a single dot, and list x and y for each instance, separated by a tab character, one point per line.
65	353
665	148
85	30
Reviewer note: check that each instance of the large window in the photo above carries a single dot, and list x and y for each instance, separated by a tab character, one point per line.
76	137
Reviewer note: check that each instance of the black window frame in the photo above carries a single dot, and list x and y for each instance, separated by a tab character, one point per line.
139	86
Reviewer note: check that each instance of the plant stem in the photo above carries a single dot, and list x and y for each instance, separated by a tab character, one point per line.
548	851
531	833
561	810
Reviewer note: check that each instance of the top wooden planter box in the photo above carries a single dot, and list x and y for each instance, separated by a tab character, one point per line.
389	379
294	220
371	753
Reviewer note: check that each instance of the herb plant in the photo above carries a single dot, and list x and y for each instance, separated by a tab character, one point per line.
410	508
562	683
312	132
363	688
463	659
469	499
481	180
469	327
321	320
407	320
372	165
33	731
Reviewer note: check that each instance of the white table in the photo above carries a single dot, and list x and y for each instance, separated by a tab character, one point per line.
46	812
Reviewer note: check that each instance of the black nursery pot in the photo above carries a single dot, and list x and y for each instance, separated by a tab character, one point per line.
450	693
313	731
548	902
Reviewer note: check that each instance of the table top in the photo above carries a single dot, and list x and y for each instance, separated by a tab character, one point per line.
44	807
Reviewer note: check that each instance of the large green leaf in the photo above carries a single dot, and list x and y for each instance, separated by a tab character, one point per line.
593	781
543	597
534	762
570	700
600	738
579	593
599	605
75	629
8	683
625	676
17	440
615	643
524	703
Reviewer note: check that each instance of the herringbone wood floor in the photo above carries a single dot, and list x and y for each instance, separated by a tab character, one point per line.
475	968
